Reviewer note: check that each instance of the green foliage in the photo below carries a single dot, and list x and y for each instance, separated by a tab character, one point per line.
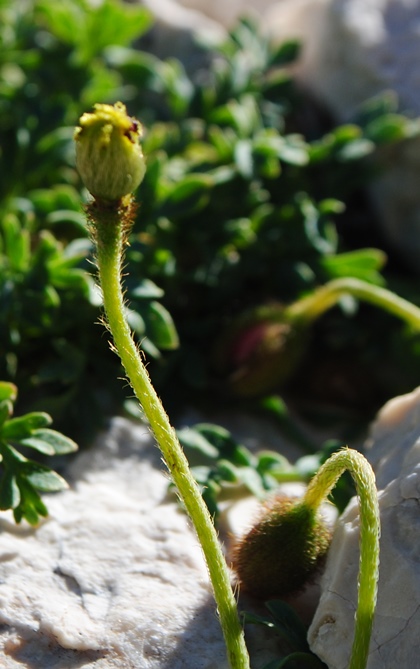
242	200
222	465
49	304
75	22
53	69
22	479
218	460
291	633
246	196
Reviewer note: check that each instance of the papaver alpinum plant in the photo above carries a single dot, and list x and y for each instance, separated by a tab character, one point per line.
112	165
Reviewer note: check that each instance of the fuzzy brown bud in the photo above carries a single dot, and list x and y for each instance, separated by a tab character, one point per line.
283	551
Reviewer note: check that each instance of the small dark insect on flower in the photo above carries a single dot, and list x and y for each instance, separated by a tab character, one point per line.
134	131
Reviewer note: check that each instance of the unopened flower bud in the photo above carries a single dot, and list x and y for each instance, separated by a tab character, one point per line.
109	157
283	551
260	351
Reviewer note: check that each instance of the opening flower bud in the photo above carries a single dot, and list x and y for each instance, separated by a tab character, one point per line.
109	156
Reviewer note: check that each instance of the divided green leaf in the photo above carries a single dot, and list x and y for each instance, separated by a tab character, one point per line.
22	480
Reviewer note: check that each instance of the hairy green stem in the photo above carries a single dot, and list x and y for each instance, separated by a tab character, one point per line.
109	225
311	307
364	478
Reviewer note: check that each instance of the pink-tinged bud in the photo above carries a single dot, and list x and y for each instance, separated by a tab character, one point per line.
259	351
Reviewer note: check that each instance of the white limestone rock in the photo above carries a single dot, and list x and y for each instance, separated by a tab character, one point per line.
219	11
394	449
363	48
114	577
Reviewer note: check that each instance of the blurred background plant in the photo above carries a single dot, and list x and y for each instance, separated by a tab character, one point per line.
252	199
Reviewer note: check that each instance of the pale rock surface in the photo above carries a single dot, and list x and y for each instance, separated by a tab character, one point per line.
114	577
394	450
363	48
219	11
357	47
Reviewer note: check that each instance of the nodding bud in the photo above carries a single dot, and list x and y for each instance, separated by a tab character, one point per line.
283	551
259	351
109	157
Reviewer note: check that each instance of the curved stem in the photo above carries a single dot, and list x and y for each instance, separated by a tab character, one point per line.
110	234
309	308
364	478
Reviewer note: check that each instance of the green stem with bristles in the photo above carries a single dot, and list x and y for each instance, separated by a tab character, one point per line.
309	308
364	478
110	224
